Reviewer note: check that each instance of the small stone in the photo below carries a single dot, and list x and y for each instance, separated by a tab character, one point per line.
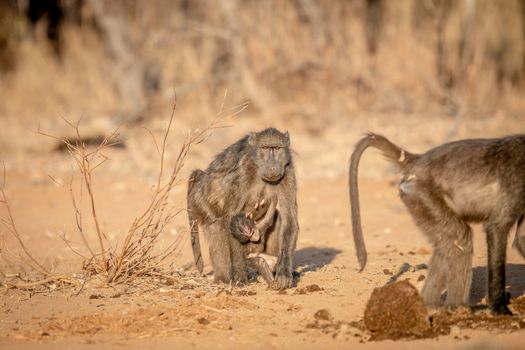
313	288
203	321
323	315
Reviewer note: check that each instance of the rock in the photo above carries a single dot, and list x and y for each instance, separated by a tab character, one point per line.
396	310
323	315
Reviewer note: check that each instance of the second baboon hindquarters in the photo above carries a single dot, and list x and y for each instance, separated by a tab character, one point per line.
446	189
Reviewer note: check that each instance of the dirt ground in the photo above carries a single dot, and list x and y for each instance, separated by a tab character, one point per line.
188	311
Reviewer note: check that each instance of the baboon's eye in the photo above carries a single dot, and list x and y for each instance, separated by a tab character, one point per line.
270	148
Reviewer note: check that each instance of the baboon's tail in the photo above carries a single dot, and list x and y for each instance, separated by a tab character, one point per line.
519	239
392	153
194	226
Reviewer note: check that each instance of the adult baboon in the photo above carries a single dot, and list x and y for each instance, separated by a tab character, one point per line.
445	189
257	167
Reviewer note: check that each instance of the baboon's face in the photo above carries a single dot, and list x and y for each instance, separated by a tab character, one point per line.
244	230
272	154
272	162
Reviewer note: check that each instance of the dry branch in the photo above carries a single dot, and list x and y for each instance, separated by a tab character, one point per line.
138	255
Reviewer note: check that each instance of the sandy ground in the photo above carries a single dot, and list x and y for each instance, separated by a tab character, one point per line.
191	312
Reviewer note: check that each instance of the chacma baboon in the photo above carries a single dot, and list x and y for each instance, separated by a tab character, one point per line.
257	167
248	226
446	189
251	230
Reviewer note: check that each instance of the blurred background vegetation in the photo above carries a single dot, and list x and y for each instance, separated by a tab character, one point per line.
304	65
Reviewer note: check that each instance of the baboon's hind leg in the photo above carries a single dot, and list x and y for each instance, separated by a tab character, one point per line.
451	239
497	234
220	257
436	281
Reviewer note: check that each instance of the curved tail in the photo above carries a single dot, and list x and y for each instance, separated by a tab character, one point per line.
194	225
393	153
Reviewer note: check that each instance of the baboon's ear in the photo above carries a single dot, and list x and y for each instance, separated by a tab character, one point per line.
287	137
252	139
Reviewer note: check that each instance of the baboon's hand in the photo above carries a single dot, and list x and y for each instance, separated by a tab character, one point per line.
240	278
283	280
259	210
259	206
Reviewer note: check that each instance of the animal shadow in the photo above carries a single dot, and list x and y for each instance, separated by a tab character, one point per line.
312	258
515	280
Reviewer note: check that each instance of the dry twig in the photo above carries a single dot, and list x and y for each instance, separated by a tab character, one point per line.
138	255
25	256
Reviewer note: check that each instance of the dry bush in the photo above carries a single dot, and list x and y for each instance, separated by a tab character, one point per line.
137	255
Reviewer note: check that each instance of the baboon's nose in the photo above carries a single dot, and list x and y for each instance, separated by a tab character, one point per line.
272	173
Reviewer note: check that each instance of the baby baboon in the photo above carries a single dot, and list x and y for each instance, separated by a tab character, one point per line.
445	189
244	229
251	230
248	226
256	168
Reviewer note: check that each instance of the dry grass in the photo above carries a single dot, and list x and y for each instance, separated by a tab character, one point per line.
300	59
